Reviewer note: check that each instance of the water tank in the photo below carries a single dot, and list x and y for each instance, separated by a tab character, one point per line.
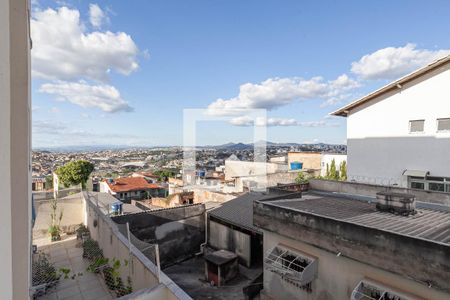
201	173
295	165
116	208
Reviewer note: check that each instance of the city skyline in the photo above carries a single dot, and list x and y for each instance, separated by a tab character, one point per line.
122	74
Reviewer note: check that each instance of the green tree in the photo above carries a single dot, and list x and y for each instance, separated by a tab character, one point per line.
327	174
75	172
343	170
301	178
164	174
333	172
49	182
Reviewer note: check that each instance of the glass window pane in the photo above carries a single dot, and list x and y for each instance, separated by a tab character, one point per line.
417	185
434	186
447	188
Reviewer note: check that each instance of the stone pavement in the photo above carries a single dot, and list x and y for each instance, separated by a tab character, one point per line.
68	253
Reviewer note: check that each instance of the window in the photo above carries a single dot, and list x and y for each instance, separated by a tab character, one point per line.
366	290
439	184
417	185
443	124
291	265
436	186
416	125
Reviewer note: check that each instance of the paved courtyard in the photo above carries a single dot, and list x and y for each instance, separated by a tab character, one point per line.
68	253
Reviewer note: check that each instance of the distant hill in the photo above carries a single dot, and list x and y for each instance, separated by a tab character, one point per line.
243	146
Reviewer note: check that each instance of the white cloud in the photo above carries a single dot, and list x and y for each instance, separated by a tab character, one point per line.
276	92
64	50
97	16
50	133
248	121
391	62
102	96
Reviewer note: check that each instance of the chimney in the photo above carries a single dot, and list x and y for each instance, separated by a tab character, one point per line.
397	203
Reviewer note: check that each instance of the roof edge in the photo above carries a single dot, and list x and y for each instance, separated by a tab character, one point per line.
397	84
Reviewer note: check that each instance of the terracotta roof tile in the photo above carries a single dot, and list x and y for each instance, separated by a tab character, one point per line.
127	184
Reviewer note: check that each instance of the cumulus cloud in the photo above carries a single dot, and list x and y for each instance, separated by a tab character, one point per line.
276	92
102	96
248	121
64	50
392	62
97	16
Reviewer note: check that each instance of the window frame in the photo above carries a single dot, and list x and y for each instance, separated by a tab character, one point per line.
426	182
416	120
437	125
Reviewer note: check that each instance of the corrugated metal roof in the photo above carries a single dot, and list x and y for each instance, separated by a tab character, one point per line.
429	224
239	211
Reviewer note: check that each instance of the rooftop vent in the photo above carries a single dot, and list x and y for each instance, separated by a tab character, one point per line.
398	203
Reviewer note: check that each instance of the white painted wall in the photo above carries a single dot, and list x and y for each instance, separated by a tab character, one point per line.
380	146
15	145
235	168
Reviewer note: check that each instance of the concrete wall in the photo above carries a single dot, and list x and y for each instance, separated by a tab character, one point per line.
201	196
261	182
15	145
310	160
222	237
356	188
416	262
235	168
72	215
378	139
143	272
336	276
178	231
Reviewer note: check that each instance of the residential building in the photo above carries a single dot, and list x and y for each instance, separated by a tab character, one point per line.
309	161
150	177
230	226
400	133
340	246
38	183
314	163
131	188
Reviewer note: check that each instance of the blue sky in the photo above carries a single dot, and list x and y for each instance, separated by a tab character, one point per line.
299	59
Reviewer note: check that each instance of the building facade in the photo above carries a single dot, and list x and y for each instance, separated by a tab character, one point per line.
330	246
131	188
400	134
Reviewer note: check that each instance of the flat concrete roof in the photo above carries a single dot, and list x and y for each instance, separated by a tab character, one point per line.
428	224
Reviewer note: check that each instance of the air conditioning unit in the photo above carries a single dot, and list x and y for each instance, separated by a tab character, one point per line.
370	290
